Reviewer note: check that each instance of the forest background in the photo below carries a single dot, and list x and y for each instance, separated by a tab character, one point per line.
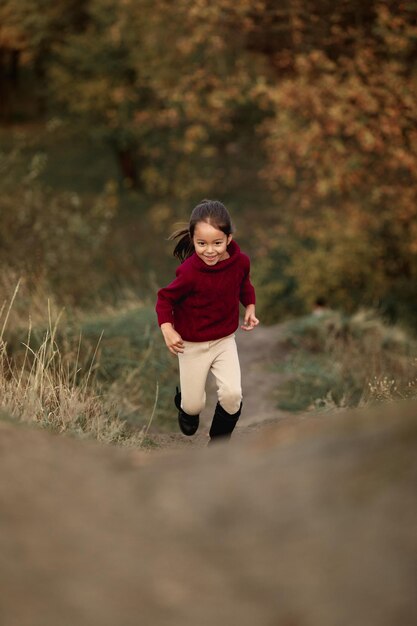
118	117
301	116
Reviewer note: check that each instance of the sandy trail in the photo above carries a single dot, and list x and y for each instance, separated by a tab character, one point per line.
259	351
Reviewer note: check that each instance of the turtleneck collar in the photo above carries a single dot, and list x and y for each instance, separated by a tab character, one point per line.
233	250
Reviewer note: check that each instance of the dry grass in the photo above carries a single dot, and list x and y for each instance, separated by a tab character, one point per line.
338	361
48	387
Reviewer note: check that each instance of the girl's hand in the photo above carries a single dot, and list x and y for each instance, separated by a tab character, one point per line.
250	321
173	340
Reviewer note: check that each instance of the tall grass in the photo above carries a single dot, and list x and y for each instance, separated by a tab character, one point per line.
51	388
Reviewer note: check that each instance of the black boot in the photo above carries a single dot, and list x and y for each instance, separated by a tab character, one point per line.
223	423
188	423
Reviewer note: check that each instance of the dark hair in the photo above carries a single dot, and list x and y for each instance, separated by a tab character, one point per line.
211	211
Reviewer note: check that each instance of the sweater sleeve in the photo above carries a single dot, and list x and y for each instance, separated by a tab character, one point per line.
247	290
172	293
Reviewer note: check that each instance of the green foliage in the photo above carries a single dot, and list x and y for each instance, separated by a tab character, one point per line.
146	85
44	233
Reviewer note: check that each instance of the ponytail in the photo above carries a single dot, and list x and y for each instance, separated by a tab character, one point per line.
185	246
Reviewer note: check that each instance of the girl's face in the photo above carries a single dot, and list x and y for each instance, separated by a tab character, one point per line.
210	243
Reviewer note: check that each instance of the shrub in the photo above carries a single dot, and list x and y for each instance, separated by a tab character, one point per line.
48	235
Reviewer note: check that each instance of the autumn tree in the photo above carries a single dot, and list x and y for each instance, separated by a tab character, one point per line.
343	167
28	31
161	82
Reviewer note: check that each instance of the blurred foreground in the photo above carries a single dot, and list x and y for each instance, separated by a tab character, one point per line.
310	522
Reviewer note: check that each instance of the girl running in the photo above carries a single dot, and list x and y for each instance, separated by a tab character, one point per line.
198	314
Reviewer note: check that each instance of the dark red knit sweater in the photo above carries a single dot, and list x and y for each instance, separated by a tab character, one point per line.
202	302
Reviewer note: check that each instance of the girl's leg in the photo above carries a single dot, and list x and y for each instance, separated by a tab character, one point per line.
226	369
194	365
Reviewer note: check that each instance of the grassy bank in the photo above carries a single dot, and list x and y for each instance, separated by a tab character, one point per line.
106	373
334	360
105	376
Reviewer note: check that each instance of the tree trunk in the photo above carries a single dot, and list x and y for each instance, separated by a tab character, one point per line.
128	167
14	67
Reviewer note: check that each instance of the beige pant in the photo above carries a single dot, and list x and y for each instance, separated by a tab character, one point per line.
198	359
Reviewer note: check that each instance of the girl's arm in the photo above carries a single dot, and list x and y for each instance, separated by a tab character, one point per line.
172	339
248	299
247	290
250	320
167	298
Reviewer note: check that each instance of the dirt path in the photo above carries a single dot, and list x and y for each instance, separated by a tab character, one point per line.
258	350
305	522
300	524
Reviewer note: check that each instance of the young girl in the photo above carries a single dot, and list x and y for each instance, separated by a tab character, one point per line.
199	313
